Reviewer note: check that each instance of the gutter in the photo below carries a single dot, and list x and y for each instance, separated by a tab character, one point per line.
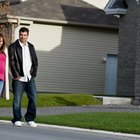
27	20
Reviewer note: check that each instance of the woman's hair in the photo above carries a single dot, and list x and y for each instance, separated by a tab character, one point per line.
3	45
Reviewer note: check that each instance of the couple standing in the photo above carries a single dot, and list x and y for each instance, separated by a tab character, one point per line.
23	64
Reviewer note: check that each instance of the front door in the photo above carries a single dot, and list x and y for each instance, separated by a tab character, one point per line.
111	75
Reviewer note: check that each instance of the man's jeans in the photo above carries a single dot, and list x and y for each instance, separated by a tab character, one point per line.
1	86
18	89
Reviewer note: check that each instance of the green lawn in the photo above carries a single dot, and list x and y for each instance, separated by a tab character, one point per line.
117	122
44	100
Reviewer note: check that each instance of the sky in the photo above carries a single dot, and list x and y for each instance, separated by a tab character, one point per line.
98	3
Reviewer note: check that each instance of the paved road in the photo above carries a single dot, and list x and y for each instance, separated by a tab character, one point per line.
76	109
8	131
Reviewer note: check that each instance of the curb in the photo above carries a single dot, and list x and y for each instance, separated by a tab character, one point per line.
81	129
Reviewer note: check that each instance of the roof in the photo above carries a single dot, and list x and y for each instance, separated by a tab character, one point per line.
116	7
64	10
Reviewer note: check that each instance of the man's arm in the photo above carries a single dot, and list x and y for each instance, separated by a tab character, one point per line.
12	61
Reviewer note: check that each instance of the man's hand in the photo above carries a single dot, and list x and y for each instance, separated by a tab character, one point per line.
17	78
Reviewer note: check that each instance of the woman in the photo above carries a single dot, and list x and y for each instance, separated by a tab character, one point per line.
4	82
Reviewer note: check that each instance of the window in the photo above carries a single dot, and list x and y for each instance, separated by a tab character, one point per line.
116	7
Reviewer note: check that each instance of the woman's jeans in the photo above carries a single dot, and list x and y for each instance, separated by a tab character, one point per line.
18	89
1	86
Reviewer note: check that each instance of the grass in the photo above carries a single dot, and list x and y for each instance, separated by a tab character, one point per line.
44	100
117	122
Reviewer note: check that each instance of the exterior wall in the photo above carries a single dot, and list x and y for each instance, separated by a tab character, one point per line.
128	52
71	58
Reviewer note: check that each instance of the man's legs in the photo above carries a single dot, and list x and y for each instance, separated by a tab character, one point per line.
18	90
31	94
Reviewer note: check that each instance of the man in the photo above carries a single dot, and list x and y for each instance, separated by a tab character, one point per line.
23	65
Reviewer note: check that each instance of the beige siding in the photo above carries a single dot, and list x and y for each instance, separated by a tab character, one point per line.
71	58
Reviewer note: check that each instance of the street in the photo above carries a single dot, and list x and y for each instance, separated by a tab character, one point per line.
8	131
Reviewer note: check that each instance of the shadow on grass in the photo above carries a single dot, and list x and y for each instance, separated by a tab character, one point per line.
65	102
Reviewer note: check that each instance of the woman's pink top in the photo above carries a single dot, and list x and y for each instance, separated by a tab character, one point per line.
2	66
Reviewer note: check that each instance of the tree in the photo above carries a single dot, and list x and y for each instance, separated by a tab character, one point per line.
5	26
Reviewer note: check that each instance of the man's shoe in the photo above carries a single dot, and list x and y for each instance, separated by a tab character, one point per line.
32	124
18	123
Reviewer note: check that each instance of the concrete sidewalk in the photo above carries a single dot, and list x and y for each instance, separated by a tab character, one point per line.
76	109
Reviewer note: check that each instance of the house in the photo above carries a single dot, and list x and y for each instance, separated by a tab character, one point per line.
76	43
128	79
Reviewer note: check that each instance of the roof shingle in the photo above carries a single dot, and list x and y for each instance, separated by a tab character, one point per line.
65	10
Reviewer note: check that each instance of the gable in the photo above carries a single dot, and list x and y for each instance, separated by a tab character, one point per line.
116	7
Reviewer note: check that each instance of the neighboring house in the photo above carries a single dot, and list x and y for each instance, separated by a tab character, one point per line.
76	43
128	83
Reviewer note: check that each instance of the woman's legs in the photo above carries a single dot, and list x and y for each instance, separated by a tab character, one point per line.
1	86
